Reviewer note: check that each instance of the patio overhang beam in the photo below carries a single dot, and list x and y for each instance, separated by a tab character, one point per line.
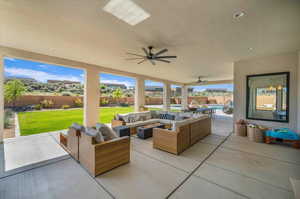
27	55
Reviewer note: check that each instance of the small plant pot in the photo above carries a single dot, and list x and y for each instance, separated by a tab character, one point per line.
255	133
240	130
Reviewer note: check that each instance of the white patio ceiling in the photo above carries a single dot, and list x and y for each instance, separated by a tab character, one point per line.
203	34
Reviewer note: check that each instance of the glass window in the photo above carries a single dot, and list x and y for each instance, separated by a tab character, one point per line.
267	97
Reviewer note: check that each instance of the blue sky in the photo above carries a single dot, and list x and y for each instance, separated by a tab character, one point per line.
43	72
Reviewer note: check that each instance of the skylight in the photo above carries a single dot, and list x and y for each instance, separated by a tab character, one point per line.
127	11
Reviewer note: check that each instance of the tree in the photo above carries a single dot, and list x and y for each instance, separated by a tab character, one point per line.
117	94
13	90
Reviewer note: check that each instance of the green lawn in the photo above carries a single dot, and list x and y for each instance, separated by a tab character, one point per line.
46	121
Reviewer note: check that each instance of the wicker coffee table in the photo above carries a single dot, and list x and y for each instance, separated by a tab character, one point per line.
146	131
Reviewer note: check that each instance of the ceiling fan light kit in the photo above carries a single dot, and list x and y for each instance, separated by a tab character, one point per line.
151	56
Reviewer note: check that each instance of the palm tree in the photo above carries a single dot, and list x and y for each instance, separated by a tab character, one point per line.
13	90
117	94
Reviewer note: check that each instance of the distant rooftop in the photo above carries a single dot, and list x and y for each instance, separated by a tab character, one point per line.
216	90
62	81
115	85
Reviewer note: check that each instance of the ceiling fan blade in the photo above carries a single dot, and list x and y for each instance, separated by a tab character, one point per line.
152	62
160	52
163	60
146	52
168	57
142	61
136	54
135	58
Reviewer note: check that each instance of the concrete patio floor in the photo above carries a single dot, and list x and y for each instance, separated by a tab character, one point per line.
216	167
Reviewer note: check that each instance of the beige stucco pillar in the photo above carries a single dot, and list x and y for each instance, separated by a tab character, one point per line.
167	97
184	97
91	97
139	98
1	98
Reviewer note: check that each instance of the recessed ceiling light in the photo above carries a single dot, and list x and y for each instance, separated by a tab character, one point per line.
127	11
238	15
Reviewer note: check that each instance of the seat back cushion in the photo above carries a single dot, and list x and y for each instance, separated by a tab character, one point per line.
134	117
77	126
106	131
154	114
95	134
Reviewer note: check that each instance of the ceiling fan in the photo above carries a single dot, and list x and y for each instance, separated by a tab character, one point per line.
200	80
151	56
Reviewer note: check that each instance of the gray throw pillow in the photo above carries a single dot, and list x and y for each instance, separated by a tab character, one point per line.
107	133
77	126
154	114
94	133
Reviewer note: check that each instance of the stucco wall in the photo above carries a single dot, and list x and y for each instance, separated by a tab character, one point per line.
59	101
287	62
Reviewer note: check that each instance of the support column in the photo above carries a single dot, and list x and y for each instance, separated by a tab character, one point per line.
91	97
139	98
184	97
167	97
1	98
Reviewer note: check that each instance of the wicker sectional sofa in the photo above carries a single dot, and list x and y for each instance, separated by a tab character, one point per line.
136	119
181	129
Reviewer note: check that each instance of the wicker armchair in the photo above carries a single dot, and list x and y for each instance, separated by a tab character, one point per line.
98	158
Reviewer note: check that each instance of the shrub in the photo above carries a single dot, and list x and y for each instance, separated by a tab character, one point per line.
66	94
78	102
104	102
124	104
37	107
7	119
65	106
47	103
13	90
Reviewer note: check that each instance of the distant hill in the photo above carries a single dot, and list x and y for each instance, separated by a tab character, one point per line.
23	79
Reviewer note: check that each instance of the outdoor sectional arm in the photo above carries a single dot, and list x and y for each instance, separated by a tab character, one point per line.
171	141
115	123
